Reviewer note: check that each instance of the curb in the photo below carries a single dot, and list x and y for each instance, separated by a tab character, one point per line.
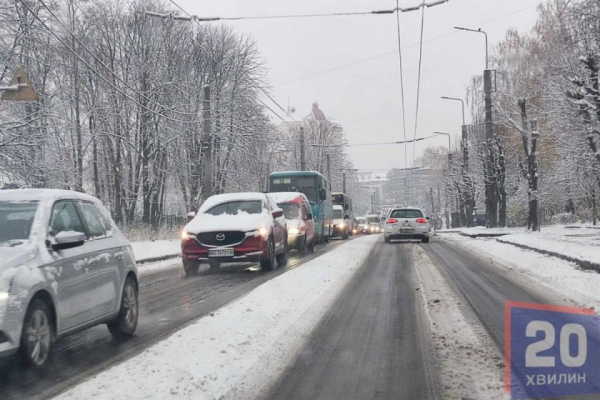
482	235
156	259
581	263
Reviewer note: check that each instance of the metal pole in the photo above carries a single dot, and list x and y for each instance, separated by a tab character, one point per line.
208	170
491	185
302	150
343	182
329	167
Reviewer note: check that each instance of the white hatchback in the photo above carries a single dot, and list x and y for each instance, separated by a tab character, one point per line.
407	223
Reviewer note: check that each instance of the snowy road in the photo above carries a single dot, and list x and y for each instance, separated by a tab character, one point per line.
371	343
168	301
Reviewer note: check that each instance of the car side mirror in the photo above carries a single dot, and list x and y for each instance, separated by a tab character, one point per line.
191	215
322	194
309	217
428	218
67	240
277	213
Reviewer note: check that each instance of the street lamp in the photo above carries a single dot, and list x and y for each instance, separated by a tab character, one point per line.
486	41
447	134
462	102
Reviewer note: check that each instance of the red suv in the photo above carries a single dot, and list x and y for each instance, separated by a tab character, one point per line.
233	228
300	222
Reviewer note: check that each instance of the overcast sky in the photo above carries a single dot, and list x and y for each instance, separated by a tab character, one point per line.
349	65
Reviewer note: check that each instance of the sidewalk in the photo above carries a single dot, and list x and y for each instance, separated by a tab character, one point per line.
159	250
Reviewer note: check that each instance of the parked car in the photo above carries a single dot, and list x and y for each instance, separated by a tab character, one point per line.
65	267
233	228
407	223
300	222
342	225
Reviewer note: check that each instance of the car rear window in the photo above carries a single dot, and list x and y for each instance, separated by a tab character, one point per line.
406	214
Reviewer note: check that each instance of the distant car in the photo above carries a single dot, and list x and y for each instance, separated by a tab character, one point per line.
65	267
374	222
342	225
363	226
407	223
300	222
233	228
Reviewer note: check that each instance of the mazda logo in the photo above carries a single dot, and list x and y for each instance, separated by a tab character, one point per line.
220	237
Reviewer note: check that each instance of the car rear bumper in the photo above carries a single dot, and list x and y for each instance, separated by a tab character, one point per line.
406	236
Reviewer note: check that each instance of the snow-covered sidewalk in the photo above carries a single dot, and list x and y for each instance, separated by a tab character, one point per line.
579	244
156	251
240	349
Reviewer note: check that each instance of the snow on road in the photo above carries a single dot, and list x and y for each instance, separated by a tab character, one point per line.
562	277
240	349
470	364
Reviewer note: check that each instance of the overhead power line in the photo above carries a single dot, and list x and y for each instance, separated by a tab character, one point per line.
419	79
289	16
402	87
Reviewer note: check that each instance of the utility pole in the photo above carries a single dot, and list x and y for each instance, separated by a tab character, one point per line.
208	170
329	167
491	189
302	150
343	182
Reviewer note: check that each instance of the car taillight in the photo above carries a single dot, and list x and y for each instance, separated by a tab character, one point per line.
392	221
421	221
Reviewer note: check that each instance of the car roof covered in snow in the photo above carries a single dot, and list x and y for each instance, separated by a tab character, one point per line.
228	197
288	197
43	195
336	207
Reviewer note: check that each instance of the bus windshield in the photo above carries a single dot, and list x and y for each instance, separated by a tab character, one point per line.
302	184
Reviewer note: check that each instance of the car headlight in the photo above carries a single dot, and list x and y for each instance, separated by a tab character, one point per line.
186	235
342	225
294	231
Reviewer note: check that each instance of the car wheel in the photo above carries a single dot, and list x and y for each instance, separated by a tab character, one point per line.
126	323
191	267
269	263
214	264
283	257
425	240
37	337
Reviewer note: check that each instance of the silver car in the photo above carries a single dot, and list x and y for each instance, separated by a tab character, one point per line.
407	223
64	267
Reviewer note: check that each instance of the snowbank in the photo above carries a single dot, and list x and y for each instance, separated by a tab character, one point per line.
580	245
470	364
561	277
154	251
242	348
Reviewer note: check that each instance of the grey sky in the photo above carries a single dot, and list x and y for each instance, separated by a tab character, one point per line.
365	97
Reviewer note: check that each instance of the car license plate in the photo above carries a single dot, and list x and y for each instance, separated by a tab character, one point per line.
221	253
406	230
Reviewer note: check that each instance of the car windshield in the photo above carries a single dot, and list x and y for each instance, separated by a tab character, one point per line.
338	214
406	214
16	219
236	207
290	210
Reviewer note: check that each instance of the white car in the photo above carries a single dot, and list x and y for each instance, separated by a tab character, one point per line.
64	267
235	227
342	226
407	223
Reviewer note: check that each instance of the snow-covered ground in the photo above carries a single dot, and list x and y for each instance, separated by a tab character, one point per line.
145	251
563	278
239	350
470	364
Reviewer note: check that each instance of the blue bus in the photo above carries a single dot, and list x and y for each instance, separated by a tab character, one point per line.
318	191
